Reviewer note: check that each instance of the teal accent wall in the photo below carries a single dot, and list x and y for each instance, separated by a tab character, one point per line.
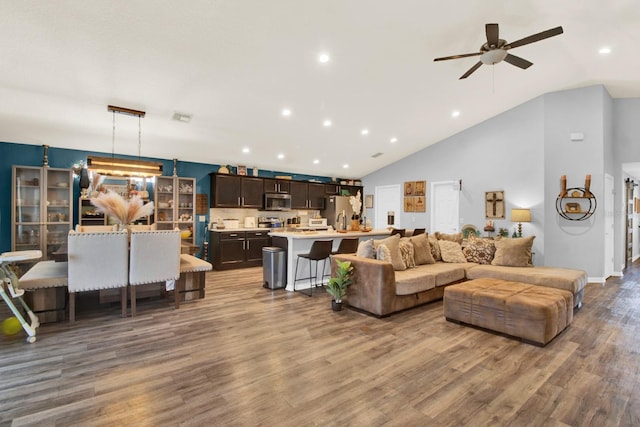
32	155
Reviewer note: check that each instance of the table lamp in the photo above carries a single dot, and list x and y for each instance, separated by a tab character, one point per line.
520	216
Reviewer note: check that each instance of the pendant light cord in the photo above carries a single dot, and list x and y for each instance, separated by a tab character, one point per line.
113	136
139	136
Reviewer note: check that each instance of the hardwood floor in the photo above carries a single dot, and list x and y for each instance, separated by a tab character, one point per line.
247	356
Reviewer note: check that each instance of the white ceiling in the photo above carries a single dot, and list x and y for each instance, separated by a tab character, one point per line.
234	64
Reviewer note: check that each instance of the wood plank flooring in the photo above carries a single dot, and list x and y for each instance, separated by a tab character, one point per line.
248	356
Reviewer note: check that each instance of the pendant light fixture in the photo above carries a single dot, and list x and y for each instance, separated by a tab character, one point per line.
124	167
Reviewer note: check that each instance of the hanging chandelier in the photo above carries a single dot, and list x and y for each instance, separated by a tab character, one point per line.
114	166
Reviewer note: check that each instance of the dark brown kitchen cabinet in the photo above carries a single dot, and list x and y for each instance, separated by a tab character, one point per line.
307	195
234	191
238	249
276	185
352	189
332	189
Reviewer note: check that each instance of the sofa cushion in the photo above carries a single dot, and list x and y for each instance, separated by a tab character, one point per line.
551	277
407	252
444	273
414	280
514	252
421	249
366	249
456	237
393	243
451	251
479	250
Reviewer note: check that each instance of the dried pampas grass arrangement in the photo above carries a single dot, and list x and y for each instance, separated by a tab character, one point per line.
124	211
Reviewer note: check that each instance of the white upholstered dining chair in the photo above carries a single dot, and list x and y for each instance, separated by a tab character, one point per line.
97	261
154	257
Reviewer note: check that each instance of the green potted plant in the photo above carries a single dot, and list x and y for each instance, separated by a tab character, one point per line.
337	285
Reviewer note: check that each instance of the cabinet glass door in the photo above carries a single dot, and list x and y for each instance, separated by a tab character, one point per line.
57	206
26	213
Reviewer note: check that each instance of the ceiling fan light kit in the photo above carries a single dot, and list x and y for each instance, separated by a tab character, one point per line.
495	50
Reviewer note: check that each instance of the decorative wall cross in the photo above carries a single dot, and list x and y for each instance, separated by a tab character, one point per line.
494	204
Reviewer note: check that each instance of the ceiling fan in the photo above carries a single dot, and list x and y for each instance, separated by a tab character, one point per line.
495	49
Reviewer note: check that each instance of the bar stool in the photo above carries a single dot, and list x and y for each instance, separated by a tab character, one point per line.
399	231
348	245
417	231
320	251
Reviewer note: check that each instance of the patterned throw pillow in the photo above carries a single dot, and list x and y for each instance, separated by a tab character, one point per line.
435	248
479	250
365	249
406	250
383	253
451	251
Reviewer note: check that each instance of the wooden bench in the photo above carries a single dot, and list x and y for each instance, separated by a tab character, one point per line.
47	282
192	277
533	313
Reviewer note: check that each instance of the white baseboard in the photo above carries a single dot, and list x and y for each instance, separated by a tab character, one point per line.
600	280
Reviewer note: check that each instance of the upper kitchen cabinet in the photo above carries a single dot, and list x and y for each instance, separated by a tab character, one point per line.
276	185
307	195
235	191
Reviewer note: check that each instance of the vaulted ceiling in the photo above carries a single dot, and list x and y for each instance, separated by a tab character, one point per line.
234	65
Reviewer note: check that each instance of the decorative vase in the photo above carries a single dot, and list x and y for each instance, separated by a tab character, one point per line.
84	181
355	225
336	306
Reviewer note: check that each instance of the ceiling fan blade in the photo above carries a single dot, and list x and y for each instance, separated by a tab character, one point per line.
535	37
492	34
517	61
471	70
464	55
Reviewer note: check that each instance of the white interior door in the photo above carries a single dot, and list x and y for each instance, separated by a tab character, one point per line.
387	198
608	226
445	207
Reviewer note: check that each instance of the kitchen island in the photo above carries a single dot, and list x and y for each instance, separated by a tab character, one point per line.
299	242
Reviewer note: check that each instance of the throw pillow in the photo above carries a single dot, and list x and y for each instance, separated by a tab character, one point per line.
406	250
451	251
393	243
435	248
422	249
457	237
479	250
366	249
383	253
514	252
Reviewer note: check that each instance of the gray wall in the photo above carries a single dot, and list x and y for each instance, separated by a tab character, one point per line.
524	151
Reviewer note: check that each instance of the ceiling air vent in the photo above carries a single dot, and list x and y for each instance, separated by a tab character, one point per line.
376	155
184	118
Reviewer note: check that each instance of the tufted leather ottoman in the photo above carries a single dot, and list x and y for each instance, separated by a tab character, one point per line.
534	313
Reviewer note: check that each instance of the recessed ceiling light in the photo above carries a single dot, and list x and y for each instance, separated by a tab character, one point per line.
323	58
181	117
281	156
365	131
345	166
393	140
455	113
246	150
286	112
316	161
604	50
326	123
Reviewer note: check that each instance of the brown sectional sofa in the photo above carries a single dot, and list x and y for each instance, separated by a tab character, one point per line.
381	291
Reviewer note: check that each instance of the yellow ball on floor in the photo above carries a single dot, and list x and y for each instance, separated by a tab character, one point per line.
11	326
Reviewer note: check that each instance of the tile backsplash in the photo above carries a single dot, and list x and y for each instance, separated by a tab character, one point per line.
216	214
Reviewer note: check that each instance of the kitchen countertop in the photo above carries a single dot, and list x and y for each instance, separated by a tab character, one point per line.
239	229
329	234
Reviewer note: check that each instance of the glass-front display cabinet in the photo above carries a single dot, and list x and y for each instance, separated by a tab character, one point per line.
41	211
175	203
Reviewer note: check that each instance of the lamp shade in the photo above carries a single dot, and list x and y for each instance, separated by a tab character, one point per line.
520	215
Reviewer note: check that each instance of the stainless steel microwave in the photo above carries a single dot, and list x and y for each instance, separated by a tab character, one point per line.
277	202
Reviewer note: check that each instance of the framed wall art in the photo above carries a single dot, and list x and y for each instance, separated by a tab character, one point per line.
414	196
368	201
494	204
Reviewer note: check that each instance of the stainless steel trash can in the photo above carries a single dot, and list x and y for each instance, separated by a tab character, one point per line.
274	267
